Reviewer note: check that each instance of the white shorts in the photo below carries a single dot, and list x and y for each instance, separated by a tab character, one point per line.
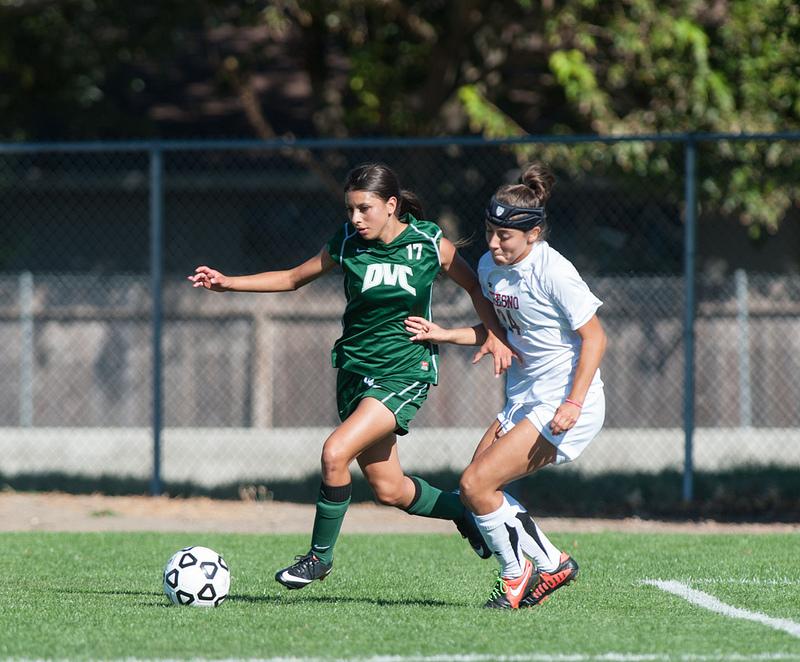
570	444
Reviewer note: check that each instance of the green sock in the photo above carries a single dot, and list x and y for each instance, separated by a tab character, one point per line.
430	501
332	505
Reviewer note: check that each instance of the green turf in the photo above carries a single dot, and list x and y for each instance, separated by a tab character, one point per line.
99	596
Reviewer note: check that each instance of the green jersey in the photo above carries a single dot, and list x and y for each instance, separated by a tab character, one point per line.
384	284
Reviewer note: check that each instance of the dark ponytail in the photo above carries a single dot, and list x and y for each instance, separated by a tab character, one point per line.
410	204
381	180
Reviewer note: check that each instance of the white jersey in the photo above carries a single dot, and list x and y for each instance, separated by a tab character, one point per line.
541	301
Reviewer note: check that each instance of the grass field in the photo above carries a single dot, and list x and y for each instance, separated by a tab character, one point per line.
399	598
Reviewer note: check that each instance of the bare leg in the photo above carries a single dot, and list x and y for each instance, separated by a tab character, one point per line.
489	437
517	453
368	425
381	467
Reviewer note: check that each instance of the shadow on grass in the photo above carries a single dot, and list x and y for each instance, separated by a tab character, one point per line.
747	494
112	592
157	599
338	599
279	599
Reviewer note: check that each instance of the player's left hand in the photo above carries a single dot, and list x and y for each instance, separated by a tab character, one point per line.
501	353
423	329
565	418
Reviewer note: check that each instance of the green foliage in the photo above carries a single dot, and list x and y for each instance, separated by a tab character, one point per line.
647	67
106	68
577	78
484	116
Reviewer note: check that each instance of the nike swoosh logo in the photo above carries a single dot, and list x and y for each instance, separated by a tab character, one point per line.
362	250
318	548
516	592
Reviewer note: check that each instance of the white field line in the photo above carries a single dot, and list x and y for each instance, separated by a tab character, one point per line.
544	657
711	603
533	657
478	657
744	581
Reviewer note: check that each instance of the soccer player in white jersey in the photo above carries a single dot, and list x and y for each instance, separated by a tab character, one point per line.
555	404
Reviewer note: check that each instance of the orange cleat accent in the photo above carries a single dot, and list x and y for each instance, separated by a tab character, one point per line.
509	593
564	574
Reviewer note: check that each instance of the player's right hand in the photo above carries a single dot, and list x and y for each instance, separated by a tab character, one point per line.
500	351
210	279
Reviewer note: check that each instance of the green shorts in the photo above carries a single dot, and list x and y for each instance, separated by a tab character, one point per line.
401	396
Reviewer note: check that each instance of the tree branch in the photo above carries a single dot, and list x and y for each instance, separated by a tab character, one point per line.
263	129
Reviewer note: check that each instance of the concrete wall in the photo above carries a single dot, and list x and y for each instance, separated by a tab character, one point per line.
211	457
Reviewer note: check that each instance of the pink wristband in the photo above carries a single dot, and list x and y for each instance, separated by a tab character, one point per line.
574	402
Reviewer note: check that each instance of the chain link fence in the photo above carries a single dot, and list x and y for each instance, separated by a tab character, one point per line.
102	337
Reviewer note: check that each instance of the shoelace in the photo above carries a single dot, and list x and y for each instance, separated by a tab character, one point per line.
303	561
500	586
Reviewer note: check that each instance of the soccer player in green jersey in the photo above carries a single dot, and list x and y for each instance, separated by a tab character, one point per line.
390	260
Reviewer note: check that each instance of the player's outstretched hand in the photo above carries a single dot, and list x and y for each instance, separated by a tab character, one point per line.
422	329
500	351
565	418
210	279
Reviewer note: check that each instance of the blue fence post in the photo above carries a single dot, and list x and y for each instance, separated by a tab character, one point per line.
156	281
690	195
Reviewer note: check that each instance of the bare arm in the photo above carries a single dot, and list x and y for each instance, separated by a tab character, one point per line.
267	281
495	342
422	329
593	346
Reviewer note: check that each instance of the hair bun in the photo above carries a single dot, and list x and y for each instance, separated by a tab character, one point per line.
539	178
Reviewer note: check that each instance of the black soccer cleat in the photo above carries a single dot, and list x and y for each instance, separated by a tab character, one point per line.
468	529
303	571
565	573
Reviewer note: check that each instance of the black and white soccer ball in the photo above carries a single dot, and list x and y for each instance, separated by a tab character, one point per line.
197	576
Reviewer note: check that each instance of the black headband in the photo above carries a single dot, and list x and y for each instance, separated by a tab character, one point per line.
524	218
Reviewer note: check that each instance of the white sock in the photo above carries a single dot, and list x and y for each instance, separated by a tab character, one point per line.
532	540
499	530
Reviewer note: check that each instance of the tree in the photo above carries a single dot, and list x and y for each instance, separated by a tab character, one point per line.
642	67
108	69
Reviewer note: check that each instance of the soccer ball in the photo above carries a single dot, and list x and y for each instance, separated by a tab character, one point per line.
197	576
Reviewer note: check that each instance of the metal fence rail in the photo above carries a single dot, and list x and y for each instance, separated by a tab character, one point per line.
113	363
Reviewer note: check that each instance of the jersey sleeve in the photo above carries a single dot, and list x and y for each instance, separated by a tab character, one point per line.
572	295
335	245
431	232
